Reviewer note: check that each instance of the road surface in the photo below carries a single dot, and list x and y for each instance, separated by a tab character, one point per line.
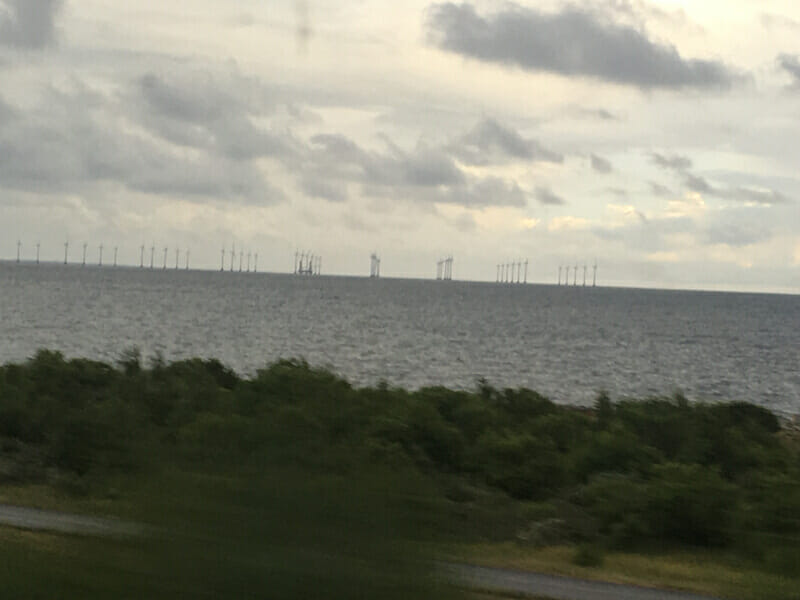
535	584
559	588
50	520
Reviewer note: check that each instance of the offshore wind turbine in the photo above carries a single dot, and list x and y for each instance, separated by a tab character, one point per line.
255	263
241	256
584	274
141	257
152	254
233	255
115	255
594	274
66	251
37	252
187	259
575	276
526	271
83	264
19	248
164	265
100	259
559	274
222	260
177	257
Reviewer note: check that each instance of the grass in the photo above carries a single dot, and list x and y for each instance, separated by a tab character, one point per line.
699	572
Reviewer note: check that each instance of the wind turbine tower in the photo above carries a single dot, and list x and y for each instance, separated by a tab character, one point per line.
66	251
584	274
100	259
526	271
141	257
115	255
594	274
152	254
575	276
164	265
37	252
19	248
83	264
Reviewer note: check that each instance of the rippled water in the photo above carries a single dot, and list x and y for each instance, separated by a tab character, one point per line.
564	342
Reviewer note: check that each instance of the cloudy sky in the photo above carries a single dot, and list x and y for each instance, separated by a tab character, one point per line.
660	138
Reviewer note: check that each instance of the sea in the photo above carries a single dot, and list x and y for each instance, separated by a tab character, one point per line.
566	342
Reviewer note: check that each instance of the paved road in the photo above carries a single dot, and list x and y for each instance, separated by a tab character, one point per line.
559	588
49	520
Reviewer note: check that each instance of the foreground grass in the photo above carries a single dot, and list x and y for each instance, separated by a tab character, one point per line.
701	572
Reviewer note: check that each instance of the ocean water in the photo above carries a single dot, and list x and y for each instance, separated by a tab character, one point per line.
565	342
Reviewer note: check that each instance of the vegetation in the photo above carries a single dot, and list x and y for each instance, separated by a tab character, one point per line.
314	461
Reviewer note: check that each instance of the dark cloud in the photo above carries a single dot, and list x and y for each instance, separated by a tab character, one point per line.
791	64
600	164
701	185
491	191
660	190
426	174
572	42
319	187
546	196
197	109
698	184
673	162
735	235
80	139
489	141
28	23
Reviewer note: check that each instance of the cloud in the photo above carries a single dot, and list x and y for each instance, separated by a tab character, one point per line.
489	141
600	164
659	190
426	174
202	110
791	64
567	223
571	42
28	23
771	20
546	196
673	162
750	195
318	187
80	141
491	191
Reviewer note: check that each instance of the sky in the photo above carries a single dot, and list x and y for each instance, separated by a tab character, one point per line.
656	138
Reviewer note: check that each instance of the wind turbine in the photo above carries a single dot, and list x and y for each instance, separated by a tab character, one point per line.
152	254
83	264
584	274
100	260
66	251
164	265
575	276
141	257
19	247
37	252
594	274
115	255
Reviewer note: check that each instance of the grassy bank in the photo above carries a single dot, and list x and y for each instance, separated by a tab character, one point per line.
294	474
